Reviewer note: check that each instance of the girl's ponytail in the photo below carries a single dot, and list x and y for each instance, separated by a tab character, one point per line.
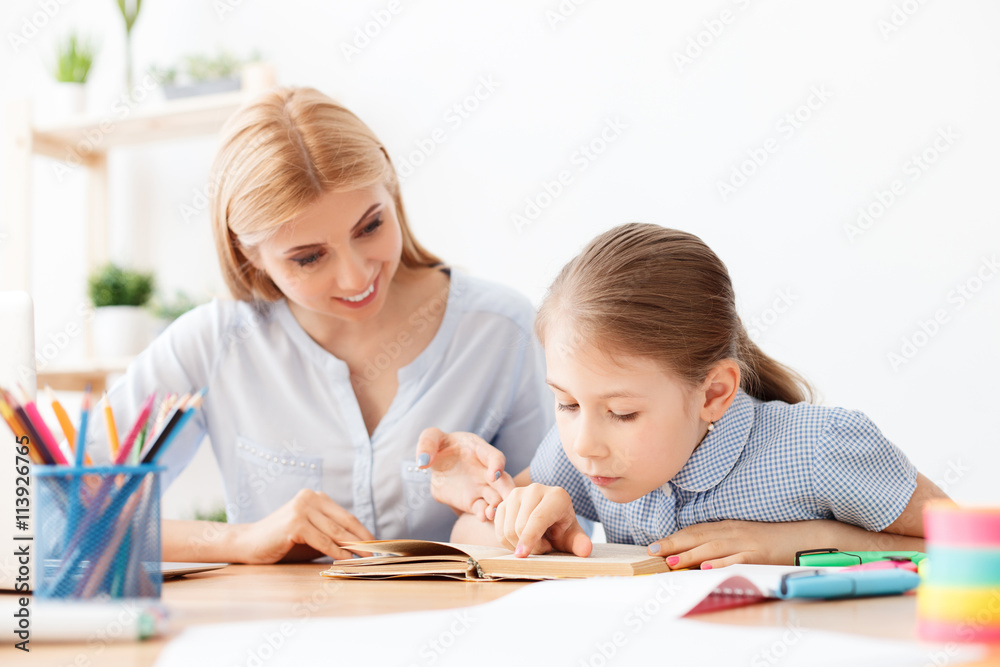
766	379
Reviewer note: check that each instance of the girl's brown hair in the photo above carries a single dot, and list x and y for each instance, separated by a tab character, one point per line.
281	152
648	291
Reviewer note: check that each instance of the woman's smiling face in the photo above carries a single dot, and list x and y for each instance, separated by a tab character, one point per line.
339	255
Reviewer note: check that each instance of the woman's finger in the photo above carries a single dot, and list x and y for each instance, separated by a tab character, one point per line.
342	517
335	531
429	444
308	533
479	509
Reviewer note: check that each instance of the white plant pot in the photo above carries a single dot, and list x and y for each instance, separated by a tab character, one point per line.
120	331
60	102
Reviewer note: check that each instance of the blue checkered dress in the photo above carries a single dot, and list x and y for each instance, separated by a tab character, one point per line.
764	461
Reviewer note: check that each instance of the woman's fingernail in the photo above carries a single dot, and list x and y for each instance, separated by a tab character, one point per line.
706	566
423	459
654	548
520	550
673	560
497	475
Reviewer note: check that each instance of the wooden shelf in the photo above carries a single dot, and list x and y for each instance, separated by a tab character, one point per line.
76	377
88	141
175	119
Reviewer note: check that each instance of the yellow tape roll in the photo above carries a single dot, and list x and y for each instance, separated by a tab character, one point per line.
975	606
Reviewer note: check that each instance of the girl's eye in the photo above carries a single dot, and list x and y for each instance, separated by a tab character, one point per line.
371	227
623	418
307	260
569	408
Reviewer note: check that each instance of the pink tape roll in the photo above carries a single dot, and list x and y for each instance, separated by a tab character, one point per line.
947	524
943	631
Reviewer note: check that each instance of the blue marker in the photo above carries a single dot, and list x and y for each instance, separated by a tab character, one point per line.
840	584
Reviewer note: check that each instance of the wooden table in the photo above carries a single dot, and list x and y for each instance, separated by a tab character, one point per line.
254	592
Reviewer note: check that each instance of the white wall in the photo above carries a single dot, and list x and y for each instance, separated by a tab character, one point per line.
892	76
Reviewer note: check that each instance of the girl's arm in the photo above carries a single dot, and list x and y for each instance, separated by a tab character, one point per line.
722	543
911	521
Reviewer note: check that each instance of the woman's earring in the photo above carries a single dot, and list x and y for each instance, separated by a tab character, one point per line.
711	426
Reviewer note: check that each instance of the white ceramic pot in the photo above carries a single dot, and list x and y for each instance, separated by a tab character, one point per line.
61	102
120	331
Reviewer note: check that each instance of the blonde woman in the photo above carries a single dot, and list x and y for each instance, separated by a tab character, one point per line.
344	339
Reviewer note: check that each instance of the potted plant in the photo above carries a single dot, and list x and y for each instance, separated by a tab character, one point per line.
74	57
202	75
129	12
121	326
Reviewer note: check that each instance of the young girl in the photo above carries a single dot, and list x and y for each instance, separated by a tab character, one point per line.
675	431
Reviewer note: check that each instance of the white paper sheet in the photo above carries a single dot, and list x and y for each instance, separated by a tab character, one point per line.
586	623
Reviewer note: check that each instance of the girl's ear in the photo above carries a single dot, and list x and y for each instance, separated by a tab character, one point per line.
720	387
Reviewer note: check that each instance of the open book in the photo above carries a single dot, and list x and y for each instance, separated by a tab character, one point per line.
421	558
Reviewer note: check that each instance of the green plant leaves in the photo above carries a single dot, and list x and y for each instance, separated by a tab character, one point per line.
112	285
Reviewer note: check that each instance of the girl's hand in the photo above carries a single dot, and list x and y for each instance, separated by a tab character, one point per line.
466	471
539	519
308	526
721	543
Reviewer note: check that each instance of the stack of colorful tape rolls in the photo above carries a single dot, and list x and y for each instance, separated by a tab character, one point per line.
959	598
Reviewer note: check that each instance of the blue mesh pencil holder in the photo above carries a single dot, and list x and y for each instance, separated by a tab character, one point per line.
98	531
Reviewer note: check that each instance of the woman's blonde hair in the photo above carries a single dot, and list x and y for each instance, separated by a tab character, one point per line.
281	152
648	291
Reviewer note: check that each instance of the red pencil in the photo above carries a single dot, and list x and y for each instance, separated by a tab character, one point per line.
126	447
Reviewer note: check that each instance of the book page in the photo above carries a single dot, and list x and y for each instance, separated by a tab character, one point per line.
427	548
602	553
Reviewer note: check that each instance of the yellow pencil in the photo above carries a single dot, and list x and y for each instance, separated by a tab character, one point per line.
109	417
64	422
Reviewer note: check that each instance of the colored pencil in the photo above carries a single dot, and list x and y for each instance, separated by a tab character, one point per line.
64	422
29	429
139	424
109	418
174	426
45	435
81	439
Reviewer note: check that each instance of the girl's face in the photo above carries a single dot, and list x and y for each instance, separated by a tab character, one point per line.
625	423
339	255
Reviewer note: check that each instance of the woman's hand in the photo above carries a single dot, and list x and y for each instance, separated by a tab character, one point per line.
721	543
538	519
467	473
308	526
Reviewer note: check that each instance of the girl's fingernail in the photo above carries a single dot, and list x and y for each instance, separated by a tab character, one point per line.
520	550
423	459
706	566
673	560
497	475
654	548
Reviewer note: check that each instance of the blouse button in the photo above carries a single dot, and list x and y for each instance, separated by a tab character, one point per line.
283	461
312	465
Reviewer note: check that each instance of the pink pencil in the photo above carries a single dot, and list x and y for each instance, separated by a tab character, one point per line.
126	447
44	433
